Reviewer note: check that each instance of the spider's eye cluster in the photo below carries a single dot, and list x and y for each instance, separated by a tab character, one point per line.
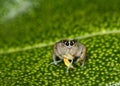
69	42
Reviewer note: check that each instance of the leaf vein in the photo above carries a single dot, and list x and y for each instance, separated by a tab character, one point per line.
40	45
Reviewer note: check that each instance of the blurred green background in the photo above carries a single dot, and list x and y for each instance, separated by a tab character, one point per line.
29	28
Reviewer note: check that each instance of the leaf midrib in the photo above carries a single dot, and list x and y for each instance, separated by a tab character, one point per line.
40	45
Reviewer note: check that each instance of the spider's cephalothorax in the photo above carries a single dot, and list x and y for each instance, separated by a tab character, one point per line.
72	47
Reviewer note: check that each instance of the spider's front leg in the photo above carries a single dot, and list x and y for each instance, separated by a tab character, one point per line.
55	60
56	55
81	55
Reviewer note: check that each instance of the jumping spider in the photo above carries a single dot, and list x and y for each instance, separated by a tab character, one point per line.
72	47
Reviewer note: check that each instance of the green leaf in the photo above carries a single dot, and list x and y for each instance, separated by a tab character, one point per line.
27	36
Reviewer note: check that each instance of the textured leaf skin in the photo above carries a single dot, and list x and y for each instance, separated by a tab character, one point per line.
26	42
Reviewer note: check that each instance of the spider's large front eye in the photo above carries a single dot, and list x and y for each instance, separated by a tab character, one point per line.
67	43
71	43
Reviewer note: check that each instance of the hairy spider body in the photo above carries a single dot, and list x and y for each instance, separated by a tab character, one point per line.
72	47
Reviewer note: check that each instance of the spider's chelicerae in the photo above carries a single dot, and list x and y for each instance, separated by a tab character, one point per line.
72	47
